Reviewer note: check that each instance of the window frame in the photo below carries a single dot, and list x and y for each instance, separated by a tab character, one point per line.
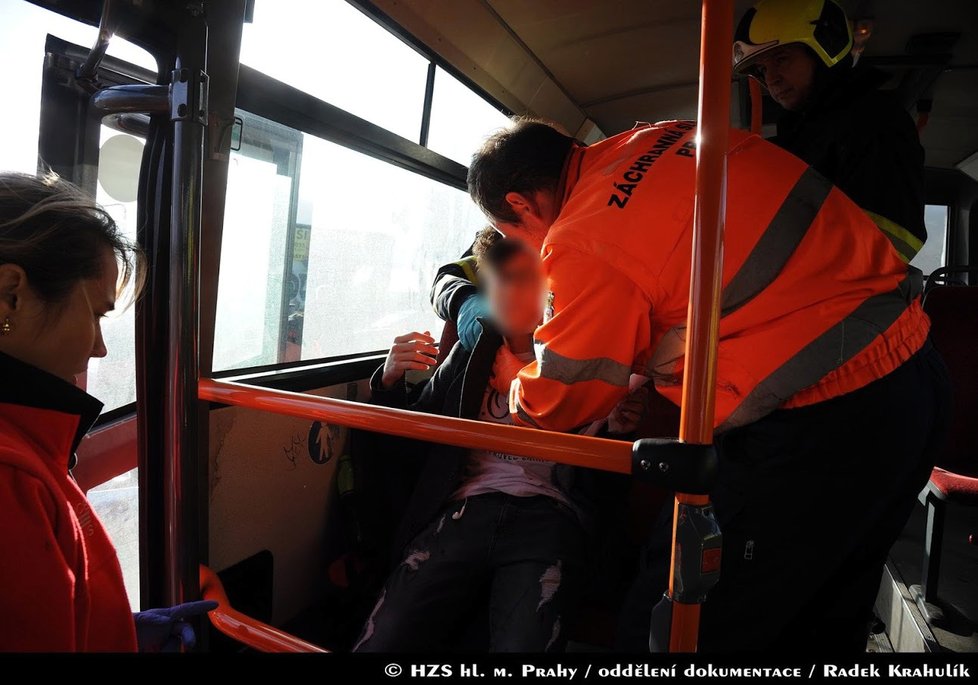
291	141
261	95
68	136
305	375
434	59
267	97
70	147
284	104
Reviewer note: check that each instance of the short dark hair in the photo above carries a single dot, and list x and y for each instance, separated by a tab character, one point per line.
524	158
484	240
492	249
55	233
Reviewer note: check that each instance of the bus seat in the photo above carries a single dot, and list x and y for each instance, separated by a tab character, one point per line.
449	336
954	487
953	310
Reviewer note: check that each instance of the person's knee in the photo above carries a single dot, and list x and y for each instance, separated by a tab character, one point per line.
373	635
394	625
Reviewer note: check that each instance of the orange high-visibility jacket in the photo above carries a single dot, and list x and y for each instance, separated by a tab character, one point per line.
816	300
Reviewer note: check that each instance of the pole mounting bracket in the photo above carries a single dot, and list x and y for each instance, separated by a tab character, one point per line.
188	96
675	465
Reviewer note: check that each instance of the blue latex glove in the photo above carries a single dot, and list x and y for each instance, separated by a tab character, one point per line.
165	630
468	327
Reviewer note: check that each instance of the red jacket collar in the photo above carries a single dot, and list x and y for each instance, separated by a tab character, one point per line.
50	412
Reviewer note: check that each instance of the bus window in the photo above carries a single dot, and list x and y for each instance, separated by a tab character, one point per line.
112	379
259	224
117	504
460	118
327	252
333	51
934	253
23	31
379	233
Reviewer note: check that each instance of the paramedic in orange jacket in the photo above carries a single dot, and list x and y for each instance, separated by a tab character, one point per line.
61	586
829	395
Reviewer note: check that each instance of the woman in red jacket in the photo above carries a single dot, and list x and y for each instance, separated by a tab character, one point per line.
62	261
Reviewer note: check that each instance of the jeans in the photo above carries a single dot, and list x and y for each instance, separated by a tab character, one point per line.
525	554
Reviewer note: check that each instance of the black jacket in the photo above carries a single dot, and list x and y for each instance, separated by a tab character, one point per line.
454	283
456	389
861	139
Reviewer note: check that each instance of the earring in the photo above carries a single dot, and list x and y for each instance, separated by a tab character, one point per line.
7	327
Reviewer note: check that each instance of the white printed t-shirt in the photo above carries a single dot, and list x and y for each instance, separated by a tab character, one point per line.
490	471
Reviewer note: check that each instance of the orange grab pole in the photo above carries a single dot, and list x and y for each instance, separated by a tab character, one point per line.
756	105
577	450
699	378
245	630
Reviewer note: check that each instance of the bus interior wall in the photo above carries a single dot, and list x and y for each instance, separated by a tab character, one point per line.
275	485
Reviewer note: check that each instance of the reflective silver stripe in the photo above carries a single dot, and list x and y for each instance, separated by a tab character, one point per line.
778	242
823	355
557	367
524	417
763	265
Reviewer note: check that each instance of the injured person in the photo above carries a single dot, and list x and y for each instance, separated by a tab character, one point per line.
486	529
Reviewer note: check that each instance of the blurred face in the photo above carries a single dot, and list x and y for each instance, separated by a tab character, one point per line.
515	293
58	338
789	74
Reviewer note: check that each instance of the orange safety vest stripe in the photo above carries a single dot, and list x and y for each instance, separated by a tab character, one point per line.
816	300
569	389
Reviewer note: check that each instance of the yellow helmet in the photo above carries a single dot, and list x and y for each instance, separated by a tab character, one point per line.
820	24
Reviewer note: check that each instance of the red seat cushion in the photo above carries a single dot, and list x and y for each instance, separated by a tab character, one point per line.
955	487
449	336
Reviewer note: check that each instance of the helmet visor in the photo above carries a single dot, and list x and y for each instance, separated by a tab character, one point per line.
745	54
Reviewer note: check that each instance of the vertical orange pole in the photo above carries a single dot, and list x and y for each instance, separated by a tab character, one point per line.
756	105
699	378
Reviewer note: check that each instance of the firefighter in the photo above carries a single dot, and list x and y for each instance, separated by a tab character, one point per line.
836	117
456	299
830	397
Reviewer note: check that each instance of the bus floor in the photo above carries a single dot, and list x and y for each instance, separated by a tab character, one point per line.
903	627
958	588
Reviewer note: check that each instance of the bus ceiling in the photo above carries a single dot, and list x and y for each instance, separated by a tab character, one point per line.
596	71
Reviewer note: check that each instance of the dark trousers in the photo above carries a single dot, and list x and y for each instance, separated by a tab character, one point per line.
524	554
810	501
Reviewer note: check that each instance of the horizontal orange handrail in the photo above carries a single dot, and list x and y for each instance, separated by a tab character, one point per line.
577	450
245	630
